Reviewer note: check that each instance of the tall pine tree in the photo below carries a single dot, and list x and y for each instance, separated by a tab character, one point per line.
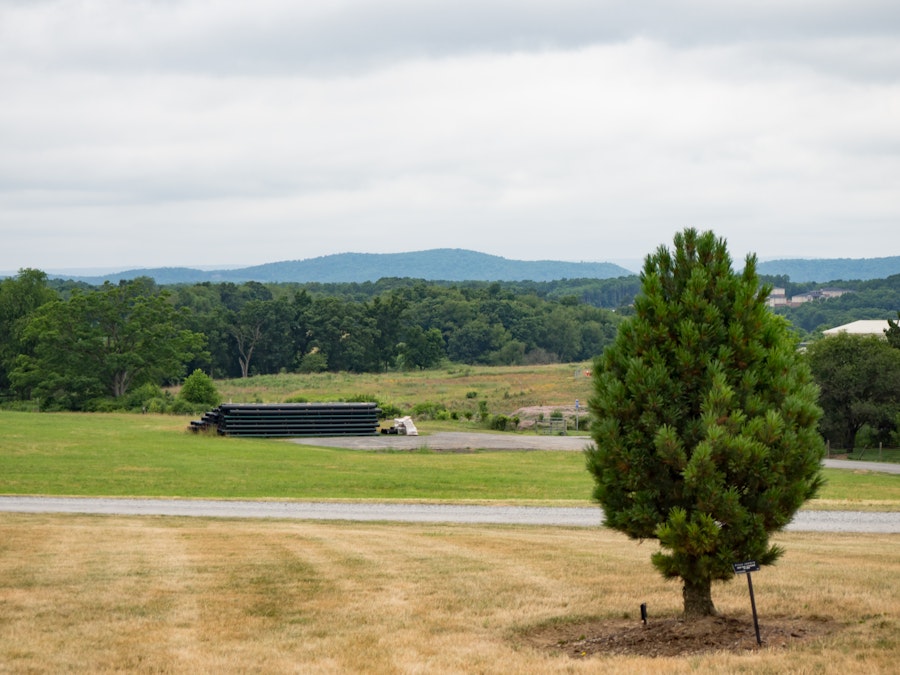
705	419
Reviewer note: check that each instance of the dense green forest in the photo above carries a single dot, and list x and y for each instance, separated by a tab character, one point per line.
69	344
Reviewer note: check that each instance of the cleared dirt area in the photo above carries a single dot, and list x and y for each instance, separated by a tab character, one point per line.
675	637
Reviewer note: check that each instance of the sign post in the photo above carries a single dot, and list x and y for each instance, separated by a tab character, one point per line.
746	568
576	414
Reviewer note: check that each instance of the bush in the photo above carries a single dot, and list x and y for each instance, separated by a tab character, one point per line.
429	410
499	422
866	437
198	389
104	405
157	405
181	407
389	411
314	362
137	399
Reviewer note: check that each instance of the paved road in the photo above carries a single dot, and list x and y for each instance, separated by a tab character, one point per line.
806	521
818	521
463	441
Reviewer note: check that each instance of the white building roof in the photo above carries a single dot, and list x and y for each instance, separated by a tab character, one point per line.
864	327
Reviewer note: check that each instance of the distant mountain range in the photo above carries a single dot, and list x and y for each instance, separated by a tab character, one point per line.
464	265
832	269
434	265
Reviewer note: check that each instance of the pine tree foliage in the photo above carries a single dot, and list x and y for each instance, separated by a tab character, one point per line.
705	419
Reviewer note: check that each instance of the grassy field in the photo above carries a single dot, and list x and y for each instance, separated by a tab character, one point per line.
150	595
154	455
155	594
459	389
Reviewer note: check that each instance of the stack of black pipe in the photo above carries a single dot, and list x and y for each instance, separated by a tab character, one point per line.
291	419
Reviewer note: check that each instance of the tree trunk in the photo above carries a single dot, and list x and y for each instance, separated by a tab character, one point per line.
698	599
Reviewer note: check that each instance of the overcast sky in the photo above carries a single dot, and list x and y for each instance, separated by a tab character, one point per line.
147	133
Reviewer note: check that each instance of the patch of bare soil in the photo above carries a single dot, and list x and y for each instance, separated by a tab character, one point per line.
530	415
672	636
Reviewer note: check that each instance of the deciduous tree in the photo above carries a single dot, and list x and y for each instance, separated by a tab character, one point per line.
103	343
859	377
20	296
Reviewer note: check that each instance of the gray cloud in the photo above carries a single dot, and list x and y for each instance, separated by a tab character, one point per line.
279	36
576	130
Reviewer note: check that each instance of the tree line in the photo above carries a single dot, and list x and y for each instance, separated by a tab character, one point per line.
70	344
73	346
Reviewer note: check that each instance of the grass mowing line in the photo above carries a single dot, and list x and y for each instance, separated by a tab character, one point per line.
153	456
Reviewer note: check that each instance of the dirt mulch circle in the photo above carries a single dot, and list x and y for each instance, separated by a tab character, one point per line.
674	637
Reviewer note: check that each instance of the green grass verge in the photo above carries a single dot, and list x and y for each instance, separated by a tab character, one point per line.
876	455
154	456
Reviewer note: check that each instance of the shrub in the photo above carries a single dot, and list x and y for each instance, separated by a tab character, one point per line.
314	362
182	407
390	411
157	405
137	399
499	422
104	405
429	410
198	389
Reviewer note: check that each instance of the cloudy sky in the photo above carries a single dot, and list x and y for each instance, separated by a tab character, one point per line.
223	132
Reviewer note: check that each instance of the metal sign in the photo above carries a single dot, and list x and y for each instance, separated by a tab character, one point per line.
745	568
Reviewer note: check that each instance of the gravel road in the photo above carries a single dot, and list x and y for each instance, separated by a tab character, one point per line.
460	441
806	521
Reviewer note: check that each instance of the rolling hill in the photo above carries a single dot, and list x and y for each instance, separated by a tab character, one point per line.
464	265
432	265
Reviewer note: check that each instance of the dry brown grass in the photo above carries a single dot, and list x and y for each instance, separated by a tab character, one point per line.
114	594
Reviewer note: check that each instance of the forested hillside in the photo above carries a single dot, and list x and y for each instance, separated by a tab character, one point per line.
831	269
68	343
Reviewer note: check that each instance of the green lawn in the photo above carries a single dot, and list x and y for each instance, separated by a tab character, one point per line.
149	455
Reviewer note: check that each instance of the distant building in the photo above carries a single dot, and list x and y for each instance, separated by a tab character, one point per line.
778	298
864	327
818	294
